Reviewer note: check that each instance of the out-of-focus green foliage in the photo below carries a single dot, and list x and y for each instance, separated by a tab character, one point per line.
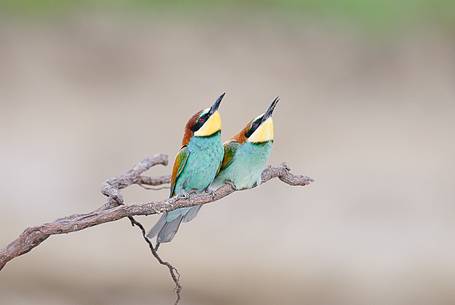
375	12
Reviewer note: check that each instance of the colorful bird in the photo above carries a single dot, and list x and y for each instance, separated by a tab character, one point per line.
246	154
195	167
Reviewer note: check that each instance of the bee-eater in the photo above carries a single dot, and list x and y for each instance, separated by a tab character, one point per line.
246	154
195	167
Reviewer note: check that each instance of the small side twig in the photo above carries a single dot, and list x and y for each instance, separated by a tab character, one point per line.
172	270
111	188
150	188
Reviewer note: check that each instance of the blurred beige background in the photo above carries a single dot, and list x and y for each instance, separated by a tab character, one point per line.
368	113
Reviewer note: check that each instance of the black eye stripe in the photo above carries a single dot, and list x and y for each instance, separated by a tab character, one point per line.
200	122
254	126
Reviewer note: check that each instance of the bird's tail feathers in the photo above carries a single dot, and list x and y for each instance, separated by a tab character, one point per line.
192	213
169	229
157	227
169	223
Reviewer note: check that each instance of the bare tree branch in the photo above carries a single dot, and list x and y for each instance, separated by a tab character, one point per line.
115	209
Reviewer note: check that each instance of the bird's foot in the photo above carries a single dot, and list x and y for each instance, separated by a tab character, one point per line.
212	193
183	196
231	184
187	195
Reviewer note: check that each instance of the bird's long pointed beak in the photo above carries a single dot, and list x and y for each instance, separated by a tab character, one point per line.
269	111
217	103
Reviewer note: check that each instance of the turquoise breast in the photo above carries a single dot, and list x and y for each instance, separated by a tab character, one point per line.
246	168
205	156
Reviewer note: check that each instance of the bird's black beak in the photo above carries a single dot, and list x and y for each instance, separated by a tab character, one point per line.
269	111
216	104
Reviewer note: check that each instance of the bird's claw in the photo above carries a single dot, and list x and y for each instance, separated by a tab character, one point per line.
231	184
187	195
183	196
212	193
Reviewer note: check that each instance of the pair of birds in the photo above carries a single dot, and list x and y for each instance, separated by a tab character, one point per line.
203	162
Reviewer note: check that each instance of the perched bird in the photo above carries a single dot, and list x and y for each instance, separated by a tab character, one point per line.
195	167
246	154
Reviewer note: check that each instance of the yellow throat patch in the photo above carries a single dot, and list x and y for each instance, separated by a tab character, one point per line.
212	125
264	132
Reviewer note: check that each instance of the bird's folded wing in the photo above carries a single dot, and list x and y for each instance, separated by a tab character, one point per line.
179	165
229	151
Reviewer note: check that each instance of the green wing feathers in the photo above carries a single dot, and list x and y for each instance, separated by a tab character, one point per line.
229	152
179	165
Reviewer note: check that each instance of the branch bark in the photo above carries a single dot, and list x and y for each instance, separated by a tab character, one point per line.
115	209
